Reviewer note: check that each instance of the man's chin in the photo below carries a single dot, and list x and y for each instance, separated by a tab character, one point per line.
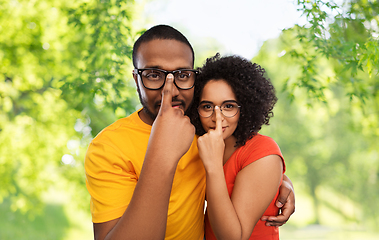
150	114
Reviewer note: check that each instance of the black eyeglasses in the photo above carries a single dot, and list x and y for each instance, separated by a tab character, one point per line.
228	109
154	79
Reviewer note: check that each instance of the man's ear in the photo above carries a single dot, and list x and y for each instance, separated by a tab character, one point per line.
135	76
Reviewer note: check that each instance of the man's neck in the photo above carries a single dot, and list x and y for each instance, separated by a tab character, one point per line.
145	117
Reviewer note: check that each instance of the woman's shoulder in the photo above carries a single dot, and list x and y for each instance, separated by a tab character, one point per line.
260	140
257	147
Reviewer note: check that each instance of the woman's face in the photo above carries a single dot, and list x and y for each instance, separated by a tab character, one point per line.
219	93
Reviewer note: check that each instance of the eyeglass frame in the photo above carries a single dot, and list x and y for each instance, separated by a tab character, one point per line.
213	109
140	70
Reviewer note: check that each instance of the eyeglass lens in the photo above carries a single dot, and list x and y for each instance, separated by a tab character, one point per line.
228	109
155	78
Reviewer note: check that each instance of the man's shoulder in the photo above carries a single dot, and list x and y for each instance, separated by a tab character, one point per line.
130	126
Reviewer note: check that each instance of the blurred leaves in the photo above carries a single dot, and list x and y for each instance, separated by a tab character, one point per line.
104	44
348	34
334	60
63	77
327	125
65	73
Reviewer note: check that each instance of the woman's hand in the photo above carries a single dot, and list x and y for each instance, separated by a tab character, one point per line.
211	145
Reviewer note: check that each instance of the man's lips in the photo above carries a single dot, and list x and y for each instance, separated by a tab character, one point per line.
176	104
173	104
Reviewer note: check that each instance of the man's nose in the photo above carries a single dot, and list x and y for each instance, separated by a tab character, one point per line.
175	90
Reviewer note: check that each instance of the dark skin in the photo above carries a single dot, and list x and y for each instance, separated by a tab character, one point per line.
140	218
286	203
171	136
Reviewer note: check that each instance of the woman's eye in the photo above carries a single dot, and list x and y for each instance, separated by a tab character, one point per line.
207	107
228	106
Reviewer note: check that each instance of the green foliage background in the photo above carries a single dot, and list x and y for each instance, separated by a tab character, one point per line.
326	121
65	73
63	77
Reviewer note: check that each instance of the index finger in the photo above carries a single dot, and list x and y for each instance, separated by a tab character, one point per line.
218	119
167	93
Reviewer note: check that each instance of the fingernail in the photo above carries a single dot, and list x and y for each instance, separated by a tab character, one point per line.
279	204
170	77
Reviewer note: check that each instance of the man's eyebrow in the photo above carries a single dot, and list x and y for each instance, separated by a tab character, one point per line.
160	67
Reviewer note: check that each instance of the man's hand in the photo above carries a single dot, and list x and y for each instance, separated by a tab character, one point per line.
286	203
172	132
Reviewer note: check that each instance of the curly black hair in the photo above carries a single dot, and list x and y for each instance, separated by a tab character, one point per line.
254	92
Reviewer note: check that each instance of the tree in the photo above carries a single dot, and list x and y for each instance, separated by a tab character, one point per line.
62	79
328	69
348	34
320	141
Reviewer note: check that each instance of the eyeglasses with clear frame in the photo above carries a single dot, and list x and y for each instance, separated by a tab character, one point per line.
228	109
154	78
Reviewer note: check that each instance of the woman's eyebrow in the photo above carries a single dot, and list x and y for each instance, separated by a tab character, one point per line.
206	102
226	101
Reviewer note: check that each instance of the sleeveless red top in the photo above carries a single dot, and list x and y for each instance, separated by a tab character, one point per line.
256	148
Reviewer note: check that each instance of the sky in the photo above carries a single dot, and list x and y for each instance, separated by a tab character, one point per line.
239	26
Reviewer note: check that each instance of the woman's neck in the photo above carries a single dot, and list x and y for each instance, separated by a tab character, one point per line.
230	147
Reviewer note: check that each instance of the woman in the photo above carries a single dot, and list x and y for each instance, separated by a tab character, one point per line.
243	168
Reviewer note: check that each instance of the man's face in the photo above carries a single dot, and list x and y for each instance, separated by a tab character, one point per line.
167	55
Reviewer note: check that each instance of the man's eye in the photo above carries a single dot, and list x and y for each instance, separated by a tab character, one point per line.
182	76
153	76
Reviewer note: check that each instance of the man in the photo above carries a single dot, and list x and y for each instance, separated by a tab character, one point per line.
143	172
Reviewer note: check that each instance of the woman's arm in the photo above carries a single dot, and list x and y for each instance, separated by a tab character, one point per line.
255	187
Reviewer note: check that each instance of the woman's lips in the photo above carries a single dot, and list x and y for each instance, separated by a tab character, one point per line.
214	128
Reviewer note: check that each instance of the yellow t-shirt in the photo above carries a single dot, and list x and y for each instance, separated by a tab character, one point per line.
113	165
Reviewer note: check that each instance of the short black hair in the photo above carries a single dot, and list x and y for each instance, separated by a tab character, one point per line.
254	92
160	32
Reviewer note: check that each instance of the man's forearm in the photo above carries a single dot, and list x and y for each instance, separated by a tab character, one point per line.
146	215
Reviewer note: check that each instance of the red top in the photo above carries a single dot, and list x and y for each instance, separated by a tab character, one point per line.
256	148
